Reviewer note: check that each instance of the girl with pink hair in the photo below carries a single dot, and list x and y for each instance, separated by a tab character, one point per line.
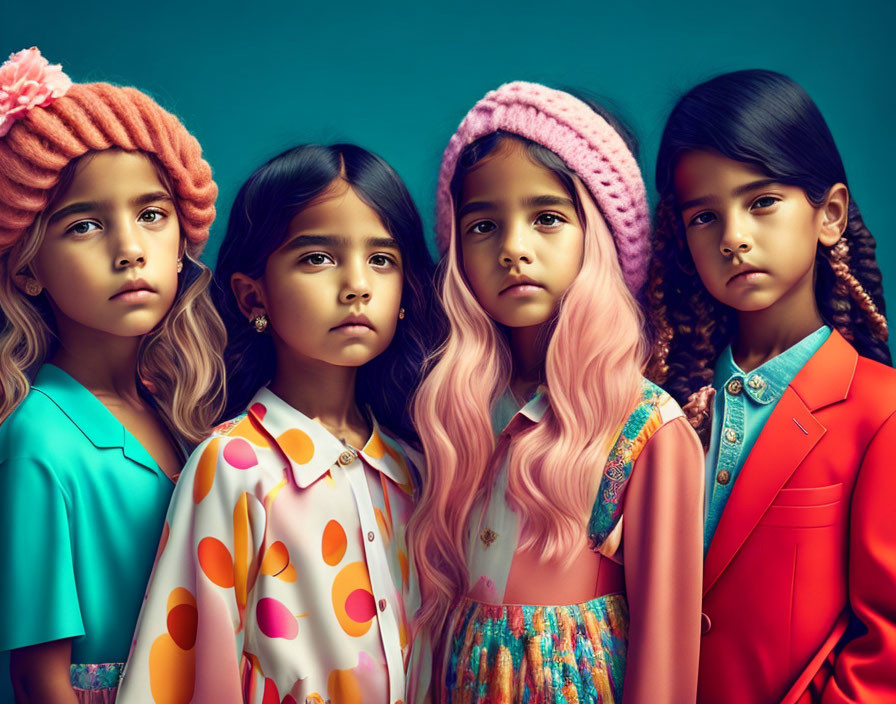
540	433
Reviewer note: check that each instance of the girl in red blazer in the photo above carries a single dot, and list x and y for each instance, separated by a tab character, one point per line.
768	314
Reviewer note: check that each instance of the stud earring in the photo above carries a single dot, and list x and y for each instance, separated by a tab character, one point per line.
32	288
401	313
180	265
260	322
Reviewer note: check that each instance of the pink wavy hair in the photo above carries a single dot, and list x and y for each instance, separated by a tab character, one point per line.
593	371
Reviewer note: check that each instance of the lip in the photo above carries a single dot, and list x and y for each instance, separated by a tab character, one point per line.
519	286
745	275
354	324
134	290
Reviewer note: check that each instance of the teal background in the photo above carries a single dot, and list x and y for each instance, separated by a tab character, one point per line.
251	79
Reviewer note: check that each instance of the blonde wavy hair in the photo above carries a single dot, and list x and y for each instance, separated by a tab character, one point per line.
179	361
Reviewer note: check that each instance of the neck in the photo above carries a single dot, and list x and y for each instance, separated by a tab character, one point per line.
321	391
767	333
104	364
528	360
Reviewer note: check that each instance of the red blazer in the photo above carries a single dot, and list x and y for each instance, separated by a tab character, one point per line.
806	540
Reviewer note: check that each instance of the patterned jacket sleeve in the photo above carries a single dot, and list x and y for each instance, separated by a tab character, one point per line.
865	670
663	558
187	646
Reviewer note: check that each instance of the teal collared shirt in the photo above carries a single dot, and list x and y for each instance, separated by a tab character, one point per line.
84	507
743	403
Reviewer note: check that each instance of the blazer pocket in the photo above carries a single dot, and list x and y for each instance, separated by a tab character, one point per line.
805	507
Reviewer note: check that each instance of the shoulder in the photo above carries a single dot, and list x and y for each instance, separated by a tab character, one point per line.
874	386
37	427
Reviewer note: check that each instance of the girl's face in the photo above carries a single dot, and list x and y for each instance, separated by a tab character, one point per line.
520	236
109	257
333	289
753	240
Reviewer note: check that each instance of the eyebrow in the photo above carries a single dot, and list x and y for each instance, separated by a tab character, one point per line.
739	191
337	241
88	206
477	206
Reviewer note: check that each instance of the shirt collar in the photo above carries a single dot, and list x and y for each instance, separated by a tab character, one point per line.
89	414
533	410
767	382
312	450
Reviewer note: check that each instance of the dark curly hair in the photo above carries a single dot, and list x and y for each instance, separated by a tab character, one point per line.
767	120
266	203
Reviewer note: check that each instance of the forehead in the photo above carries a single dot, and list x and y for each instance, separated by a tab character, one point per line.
701	173
338	210
509	173
113	174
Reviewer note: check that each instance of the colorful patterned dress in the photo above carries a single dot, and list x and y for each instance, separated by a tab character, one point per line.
283	572
590	630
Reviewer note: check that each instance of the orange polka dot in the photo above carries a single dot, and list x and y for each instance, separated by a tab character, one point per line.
171	672
182	620
180	595
216	562
297	445
205	471
352	589
403	564
276	559
250	429
343	687
334	543
385	527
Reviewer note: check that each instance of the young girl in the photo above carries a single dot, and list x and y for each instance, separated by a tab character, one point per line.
539	431
107	360
765	286
283	573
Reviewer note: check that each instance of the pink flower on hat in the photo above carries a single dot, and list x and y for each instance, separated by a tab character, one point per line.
28	81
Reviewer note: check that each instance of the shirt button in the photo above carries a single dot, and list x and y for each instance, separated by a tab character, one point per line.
735	386
723	477
756	382
730	435
346	457
705	624
370	536
382	604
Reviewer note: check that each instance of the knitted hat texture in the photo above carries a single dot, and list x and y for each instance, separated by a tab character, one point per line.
583	140
93	117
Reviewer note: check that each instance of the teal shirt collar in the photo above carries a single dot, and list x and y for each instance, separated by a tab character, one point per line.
767	382
89	414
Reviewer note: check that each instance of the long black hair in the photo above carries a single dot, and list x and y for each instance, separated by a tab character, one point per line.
767	120
266	203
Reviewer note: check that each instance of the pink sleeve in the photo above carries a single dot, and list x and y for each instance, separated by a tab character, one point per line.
663	558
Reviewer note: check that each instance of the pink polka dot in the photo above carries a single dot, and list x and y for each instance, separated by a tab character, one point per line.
275	620
258	410
360	606
239	453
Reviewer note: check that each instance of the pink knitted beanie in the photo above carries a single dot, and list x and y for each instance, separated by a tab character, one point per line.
586	143
46	122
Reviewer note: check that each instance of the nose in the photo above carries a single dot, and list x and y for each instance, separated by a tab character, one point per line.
735	239
515	246
356	286
130	251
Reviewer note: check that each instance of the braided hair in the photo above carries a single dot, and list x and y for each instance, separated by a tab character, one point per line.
767	120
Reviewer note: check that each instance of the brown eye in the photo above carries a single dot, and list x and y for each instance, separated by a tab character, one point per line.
549	220
316	259
483	227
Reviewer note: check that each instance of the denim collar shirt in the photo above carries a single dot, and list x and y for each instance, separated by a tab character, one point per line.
743	403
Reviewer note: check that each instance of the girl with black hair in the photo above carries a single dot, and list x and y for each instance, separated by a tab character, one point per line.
283	571
768	313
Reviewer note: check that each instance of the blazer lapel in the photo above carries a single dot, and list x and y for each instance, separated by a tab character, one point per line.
789	435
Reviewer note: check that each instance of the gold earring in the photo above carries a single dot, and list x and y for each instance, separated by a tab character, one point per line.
32	288
180	265
260	322
401	313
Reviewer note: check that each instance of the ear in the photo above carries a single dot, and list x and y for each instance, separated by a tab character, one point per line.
28	283
249	293
834	215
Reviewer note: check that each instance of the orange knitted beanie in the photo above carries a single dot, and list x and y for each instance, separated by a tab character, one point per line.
43	133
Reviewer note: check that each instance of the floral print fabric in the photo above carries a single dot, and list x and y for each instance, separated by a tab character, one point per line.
282	574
